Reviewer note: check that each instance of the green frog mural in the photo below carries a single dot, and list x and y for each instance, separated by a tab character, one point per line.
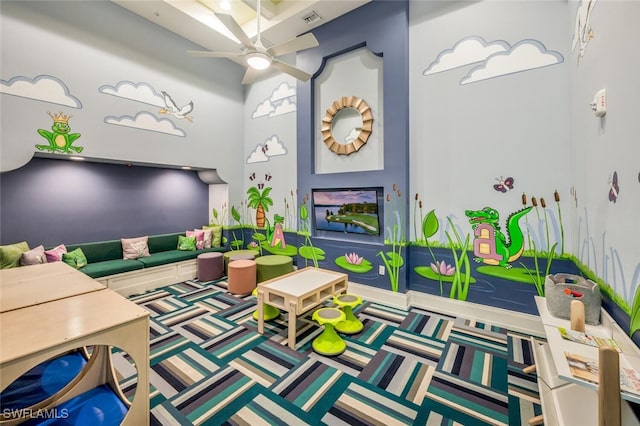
60	140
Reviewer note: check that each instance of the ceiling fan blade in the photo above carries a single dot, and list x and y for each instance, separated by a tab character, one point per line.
250	76
302	42
290	69
236	29
210	54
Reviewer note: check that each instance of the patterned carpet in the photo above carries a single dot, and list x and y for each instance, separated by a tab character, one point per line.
210	366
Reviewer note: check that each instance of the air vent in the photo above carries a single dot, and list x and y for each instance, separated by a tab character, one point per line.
312	17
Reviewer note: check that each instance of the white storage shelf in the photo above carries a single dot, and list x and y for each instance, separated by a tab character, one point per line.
567	401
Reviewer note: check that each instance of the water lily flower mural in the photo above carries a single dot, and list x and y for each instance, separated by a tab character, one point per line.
353	258
442	268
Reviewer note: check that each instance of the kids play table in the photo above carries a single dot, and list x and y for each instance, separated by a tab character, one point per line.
299	292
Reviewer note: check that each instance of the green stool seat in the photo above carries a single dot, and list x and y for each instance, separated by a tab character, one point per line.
329	343
351	324
270	312
272	266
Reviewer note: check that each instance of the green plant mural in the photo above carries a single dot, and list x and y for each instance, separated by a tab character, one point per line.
59	140
261	202
307	251
237	243
393	260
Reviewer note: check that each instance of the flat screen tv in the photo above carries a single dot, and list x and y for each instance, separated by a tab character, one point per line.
348	210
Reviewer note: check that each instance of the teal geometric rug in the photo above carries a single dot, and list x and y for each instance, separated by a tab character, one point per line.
210	366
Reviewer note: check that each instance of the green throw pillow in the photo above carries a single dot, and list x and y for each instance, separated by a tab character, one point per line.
186	243
216	234
75	258
10	254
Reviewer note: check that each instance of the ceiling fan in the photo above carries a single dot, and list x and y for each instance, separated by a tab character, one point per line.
256	55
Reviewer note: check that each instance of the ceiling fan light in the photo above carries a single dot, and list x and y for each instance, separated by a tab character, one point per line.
258	60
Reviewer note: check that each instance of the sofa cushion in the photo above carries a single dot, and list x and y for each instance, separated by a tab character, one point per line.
55	254
169	256
164	242
75	258
34	256
133	248
111	267
99	251
10	254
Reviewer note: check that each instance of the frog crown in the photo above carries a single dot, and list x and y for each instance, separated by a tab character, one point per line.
60	117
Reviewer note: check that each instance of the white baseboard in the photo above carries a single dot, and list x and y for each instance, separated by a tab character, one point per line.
515	321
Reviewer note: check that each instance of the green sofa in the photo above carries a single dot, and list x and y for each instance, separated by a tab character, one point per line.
105	257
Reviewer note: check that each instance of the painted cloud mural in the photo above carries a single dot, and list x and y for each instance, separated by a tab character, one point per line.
494	59
44	88
139	92
465	52
272	147
146	121
281	101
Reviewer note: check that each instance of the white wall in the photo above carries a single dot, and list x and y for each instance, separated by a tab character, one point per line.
87	45
270	124
607	233
464	136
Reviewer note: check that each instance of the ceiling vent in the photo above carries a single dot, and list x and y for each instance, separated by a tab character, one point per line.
312	17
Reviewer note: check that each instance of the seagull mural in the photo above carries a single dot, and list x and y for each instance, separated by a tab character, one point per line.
583	34
171	108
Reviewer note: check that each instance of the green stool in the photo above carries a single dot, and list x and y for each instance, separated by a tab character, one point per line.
351	324
270	312
272	266
328	343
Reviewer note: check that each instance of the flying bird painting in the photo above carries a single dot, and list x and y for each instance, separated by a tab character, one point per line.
582	33
172	108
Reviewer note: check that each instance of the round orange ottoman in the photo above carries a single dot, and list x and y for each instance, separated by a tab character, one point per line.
241	277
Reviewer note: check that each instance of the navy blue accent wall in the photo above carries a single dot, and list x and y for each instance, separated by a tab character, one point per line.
383	26
55	201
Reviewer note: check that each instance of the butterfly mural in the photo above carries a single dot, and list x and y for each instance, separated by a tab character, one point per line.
503	185
252	176
614	188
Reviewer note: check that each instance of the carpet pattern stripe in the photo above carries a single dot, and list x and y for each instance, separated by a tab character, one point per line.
209	365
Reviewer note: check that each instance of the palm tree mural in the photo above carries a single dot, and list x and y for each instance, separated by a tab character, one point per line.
260	202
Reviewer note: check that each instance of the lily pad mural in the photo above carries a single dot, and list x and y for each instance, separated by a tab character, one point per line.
311	253
354	263
428	272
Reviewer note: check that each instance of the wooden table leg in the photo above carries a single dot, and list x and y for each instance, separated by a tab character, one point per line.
292	319
260	311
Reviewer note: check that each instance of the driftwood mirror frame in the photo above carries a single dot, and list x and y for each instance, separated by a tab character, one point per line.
365	131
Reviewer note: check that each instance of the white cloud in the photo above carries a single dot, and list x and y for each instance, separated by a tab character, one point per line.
282	92
284	107
257	156
44	88
523	56
274	147
139	92
146	121
467	51
263	109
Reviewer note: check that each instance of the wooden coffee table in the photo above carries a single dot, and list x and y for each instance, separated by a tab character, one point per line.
299	292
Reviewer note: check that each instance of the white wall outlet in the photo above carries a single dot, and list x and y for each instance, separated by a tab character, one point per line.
599	104
381	270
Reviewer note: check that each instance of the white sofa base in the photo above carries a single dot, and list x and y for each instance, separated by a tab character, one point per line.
141	280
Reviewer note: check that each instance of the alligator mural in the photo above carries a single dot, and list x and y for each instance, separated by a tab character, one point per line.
491	246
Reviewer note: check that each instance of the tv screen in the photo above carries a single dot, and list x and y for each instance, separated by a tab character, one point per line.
347	210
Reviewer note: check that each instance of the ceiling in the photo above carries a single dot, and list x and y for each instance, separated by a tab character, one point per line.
281	20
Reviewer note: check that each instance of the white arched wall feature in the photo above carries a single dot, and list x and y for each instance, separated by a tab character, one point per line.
353	75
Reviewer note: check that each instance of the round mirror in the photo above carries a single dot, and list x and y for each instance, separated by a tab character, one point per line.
347	125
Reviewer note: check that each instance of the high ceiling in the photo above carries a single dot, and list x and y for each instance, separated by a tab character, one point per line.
281	20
